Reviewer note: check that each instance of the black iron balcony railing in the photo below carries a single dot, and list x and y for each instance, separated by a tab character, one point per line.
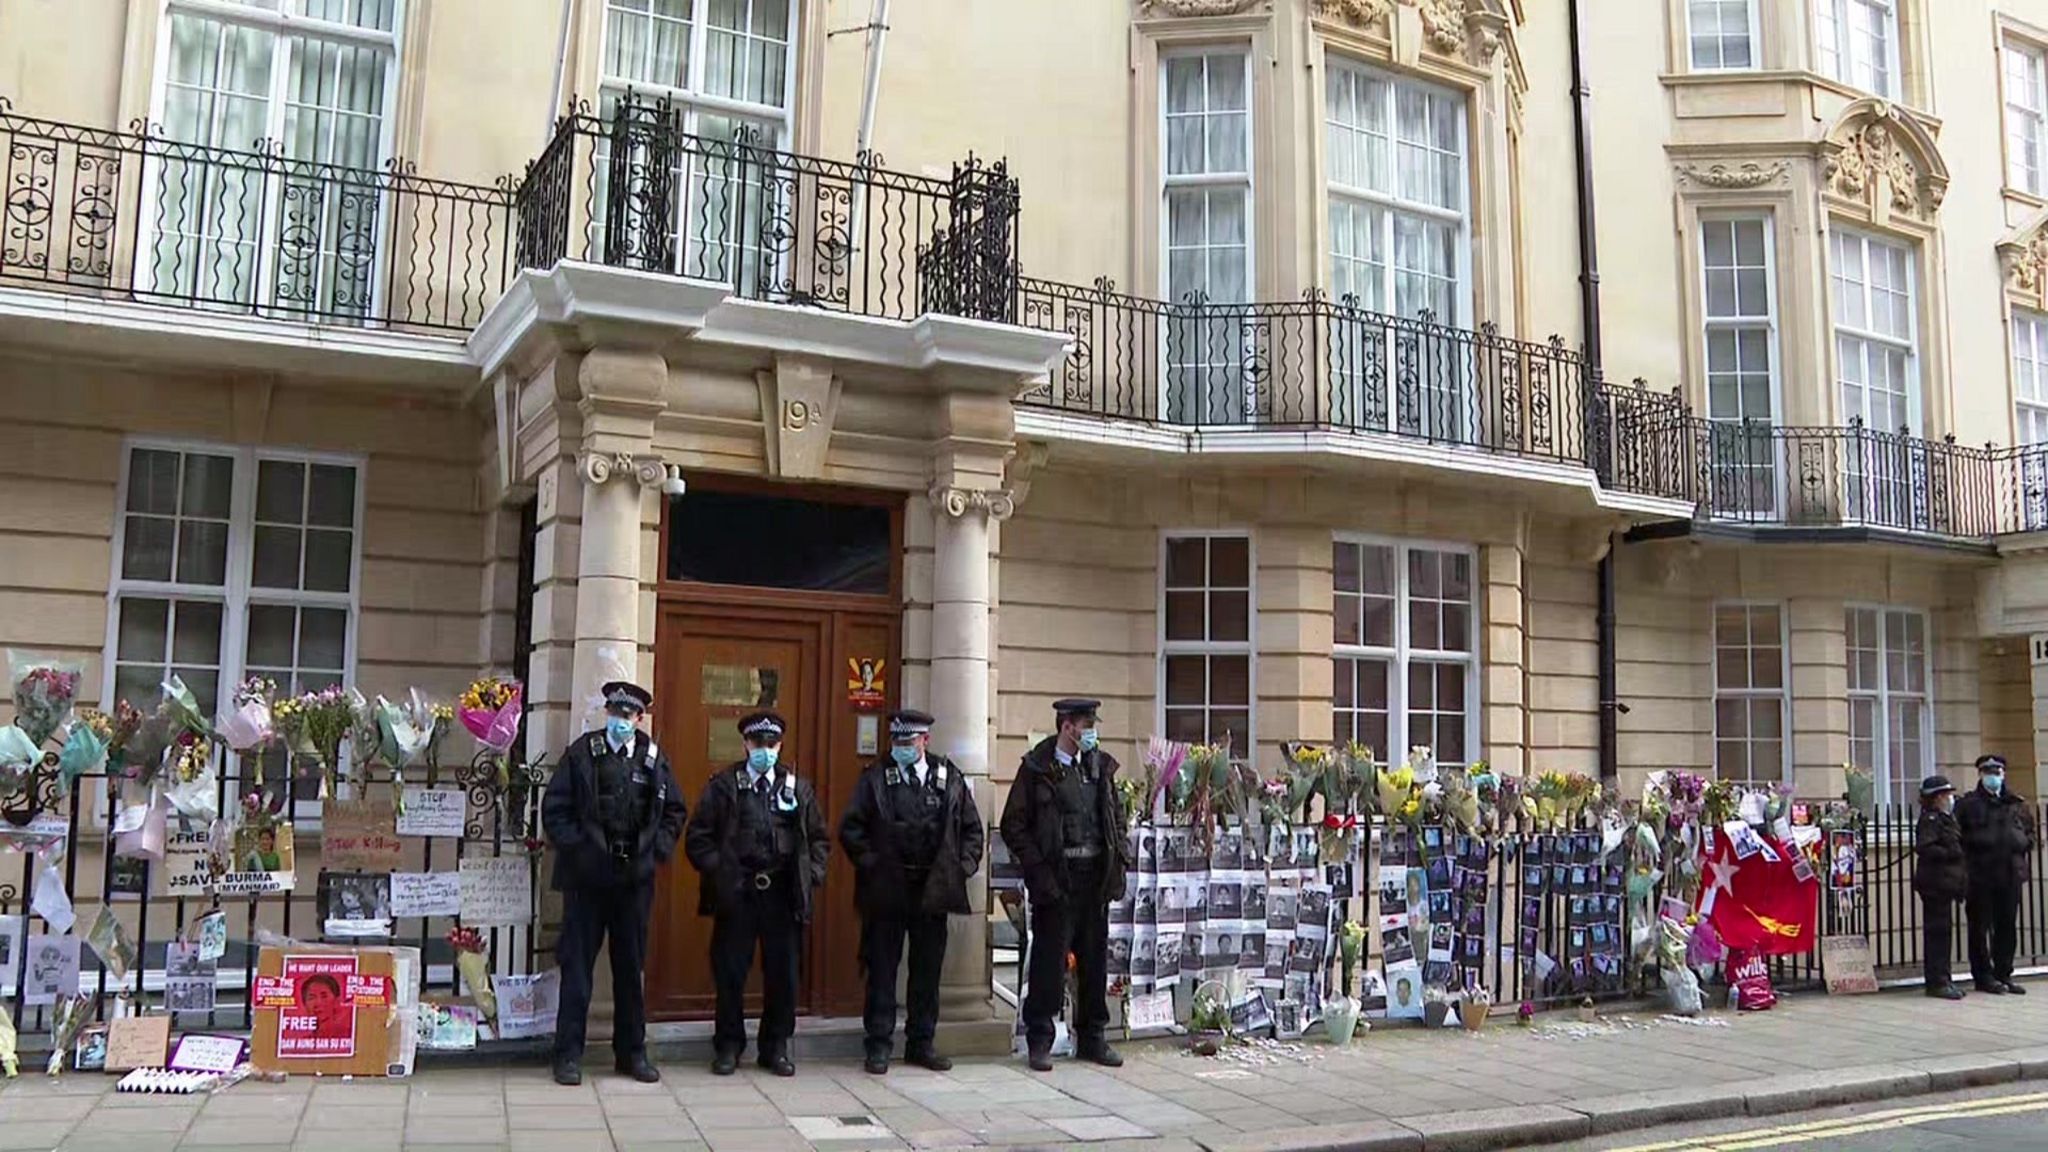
631	187
1312	363
135	215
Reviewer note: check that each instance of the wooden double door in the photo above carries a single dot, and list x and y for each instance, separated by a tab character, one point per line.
721	653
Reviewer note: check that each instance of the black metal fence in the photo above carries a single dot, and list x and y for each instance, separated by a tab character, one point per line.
136	215
1311	363
94	876
632	186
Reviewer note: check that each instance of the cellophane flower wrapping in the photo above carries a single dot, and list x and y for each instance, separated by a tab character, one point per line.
246	727
490	709
20	756
67	1018
183	707
85	748
1861	789
475	968
191	783
433	720
10	1061
44	689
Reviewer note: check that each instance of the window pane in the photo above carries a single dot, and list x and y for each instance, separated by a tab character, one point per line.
1184	616
1230	616
1230	680
332	496
323	638
1379	621
153	481
328	557
1187	726
277	558
208	487
202	552
1344	567
1230	562
197	638
271	635
280	492
1378	569
1186	562
144	626
146	547
1186	680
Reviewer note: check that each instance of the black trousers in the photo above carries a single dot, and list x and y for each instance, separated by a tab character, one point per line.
1994	912
589	917
1080	926
881	949
766	919
1937	942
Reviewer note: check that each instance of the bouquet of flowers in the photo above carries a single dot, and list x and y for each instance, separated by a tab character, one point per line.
490	709
20	759
1459	801
263	807
1399	799
313	725
191	786
43	693
1719	803
1350	946
432	718
1209	765
1860	789
470	961
1164	760
245	724
85	746
1129	789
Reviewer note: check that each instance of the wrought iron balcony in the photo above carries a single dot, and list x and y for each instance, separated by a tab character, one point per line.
1312	363
137	216
630	187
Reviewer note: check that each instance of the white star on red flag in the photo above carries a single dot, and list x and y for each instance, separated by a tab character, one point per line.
1723	870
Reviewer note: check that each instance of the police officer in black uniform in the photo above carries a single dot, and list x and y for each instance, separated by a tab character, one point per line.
613	813
914	836
759	841
1065	827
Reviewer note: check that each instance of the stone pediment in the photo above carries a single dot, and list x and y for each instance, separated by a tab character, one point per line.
1881	157
2023	256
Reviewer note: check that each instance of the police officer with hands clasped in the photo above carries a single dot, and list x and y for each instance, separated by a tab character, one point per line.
915	837
1065	827
613	813
760	844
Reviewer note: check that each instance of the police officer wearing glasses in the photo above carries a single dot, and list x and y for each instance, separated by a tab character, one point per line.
914	836
759	841
1065	827
613	813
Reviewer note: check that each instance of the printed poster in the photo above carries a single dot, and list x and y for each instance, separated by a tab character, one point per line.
186	870
433	812
52	969
316	1012
190	979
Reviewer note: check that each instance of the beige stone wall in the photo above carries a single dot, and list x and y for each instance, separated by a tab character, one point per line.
423	540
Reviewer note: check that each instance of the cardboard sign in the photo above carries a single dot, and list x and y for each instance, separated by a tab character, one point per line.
359	836
1845	961
497	891
433	812
311	1017
320	1020
207	1054
426	894
138	1042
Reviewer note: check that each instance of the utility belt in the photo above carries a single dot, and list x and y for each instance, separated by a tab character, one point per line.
1083	854
624	849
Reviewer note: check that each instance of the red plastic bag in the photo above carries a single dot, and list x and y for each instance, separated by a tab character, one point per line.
1749	980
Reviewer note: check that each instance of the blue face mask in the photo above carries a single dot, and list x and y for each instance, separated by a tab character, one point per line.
1088	740
904	754
619	728
1994	784
761	759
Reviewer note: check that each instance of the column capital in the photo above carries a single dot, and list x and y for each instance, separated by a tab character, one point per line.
955	501
598	468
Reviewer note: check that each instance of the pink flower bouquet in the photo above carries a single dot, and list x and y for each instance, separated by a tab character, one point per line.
490	708
43	692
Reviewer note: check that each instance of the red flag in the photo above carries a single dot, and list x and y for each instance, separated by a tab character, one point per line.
1760	902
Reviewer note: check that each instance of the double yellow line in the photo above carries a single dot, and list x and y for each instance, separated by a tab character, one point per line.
1851	1126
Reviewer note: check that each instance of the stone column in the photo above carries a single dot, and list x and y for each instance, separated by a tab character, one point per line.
960	648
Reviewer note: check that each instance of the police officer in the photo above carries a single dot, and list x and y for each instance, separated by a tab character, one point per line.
914	836
759	841
1998	833
613	813
1065	827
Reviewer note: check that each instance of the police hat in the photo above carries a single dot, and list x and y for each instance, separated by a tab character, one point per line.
1075	707
619	693
909	722
762	726
1990	763
1935	786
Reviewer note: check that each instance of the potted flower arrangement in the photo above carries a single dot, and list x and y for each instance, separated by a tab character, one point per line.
1436	1006
1473	1008
1208	1020
1341	1012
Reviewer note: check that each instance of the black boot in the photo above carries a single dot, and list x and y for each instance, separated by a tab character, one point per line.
2012	989
876	1064
1991	987
1039	1056
567	1073
1099	1052
638	1068
926	1058
780	1064
724	1063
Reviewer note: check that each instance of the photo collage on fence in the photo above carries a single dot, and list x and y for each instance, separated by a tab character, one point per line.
1253	903
1580	951
1433	926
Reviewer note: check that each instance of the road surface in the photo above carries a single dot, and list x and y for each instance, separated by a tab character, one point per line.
2011	1117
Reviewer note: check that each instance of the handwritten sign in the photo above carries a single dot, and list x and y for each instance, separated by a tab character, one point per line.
1152	1011
497	892
432	812
359	835
138	1042
426	894
1845	960
207	1053
527	1004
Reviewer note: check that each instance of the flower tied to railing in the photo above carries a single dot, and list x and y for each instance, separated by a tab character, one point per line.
492	708
46	747
472	961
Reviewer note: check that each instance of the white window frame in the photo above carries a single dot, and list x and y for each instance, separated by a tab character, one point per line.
694	99
1835	13
2030	347
282	24
1169	183
1883	697
1867	336
239	593
1781	694
1403	650
2025	114
1248	647
1768	324
1749	34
